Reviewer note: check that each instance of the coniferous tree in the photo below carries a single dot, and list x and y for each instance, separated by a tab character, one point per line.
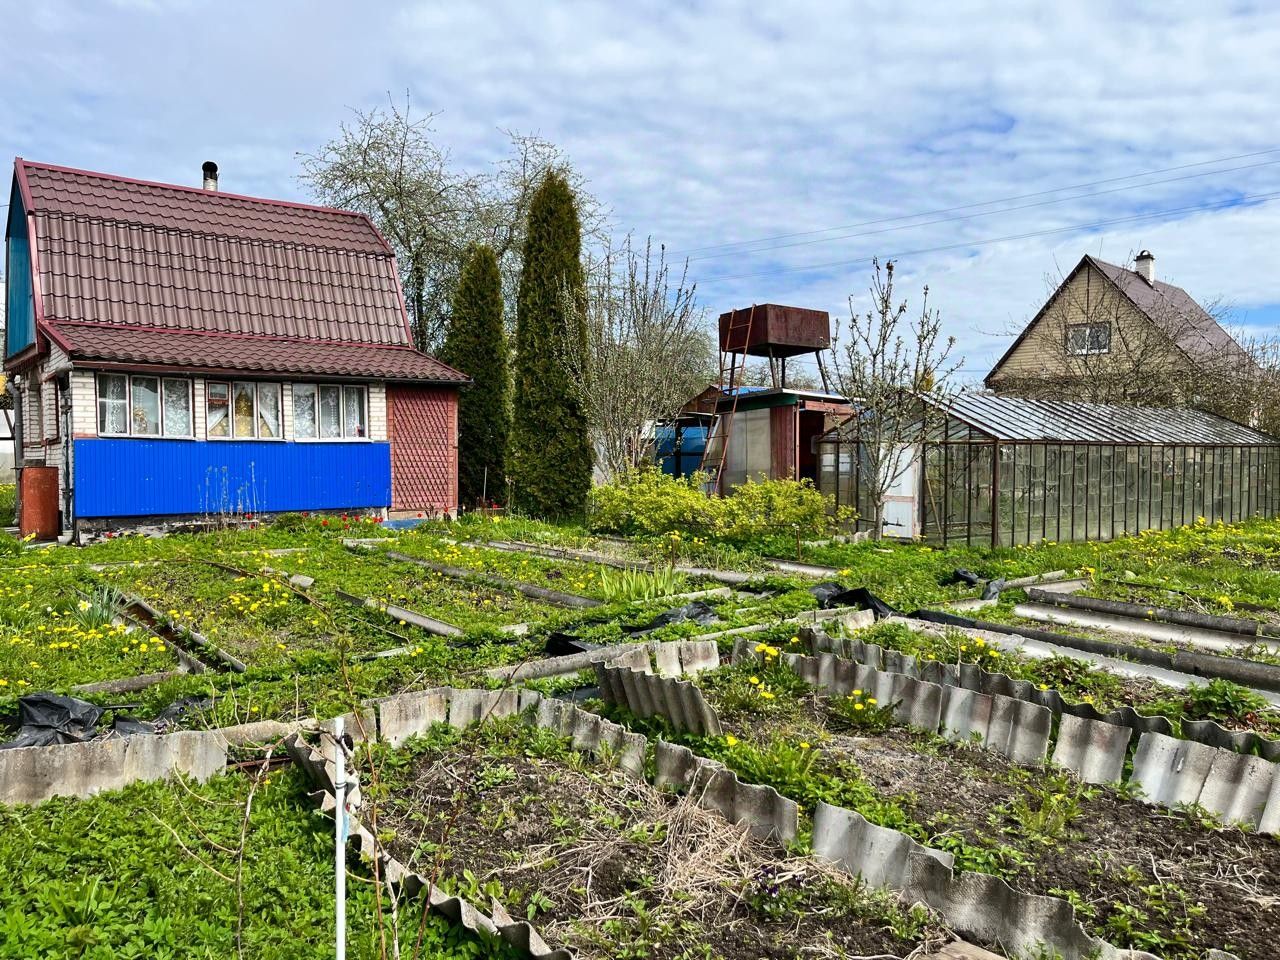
476	344
550	456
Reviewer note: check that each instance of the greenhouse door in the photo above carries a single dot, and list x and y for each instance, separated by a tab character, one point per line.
901	512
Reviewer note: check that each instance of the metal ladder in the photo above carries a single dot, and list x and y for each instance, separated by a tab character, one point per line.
722	428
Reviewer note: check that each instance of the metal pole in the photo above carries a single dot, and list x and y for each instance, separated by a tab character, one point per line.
340	840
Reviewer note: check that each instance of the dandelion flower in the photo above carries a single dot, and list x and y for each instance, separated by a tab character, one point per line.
857	706
730	740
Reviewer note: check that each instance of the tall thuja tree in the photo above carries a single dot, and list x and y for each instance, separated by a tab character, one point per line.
476	344
550	456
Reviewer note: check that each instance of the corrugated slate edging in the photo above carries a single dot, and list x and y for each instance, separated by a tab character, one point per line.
976	905
973	677
1237	787
497	923
648	695
31	775
395	719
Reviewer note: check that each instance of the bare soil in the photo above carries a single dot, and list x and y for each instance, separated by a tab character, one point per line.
616	869
1142	876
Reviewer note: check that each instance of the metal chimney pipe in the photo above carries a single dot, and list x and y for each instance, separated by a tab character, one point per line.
210	170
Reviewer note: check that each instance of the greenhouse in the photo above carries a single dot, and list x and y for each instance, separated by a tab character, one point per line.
1005	471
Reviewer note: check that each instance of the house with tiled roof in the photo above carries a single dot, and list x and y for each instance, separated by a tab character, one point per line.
1117	334
180	352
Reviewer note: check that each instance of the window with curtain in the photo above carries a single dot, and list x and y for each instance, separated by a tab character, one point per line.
330	412
353	423
242	411
218	410
176	410
304	411
113	404
269	411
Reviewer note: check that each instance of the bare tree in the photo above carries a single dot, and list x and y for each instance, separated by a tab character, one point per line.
647	351
386	164
889	366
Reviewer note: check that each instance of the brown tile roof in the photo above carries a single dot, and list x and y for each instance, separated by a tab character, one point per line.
104	345
140	272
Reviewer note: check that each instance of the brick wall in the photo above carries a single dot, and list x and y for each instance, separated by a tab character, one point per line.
423	427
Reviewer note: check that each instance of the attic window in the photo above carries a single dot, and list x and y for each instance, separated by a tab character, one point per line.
1085	339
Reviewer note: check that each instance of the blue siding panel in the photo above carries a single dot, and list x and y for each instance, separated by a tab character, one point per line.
138	478
20	307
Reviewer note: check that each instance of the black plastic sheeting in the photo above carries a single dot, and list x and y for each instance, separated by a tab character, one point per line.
695	612
961	575
831	595
47	719
992	590
564	644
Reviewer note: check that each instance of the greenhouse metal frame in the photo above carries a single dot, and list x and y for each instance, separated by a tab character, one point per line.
1005	471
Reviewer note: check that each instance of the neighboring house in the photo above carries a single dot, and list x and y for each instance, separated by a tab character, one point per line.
180	352
1109	334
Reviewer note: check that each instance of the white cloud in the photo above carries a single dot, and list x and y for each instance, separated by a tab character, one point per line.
705	123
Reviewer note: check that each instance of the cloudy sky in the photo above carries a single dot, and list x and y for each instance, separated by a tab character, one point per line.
984	145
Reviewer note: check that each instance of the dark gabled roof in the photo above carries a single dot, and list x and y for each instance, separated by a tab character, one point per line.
1171	308
1174	310
1016	420
140	272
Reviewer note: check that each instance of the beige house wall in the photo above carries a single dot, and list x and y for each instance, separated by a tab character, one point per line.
1087	296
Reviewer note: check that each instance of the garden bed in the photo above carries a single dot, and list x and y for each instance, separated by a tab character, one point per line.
58	631
1174	883
605	863
257	620
1232	706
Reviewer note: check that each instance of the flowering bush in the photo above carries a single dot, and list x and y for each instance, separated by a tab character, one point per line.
650	503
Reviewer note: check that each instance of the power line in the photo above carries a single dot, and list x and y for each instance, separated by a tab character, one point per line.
984	213
1259	198
984	203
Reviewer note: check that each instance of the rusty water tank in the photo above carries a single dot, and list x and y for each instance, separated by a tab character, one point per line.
39	497
775	330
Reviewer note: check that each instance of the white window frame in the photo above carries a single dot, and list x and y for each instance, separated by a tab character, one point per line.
1086	330
230	411
255	392
164	433
191	410
342	388
98	401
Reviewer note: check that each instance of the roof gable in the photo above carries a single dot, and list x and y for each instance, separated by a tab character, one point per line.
1171	309
1174	311
121	262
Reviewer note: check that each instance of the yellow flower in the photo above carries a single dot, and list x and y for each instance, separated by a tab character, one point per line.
857	693
804	745
857	706
753	680
872	700
1044	686
766	694
84	605
730	740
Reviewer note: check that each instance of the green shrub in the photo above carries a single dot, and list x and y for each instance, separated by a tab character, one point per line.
770	507
647	502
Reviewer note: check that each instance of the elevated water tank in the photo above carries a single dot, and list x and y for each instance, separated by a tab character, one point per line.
772	330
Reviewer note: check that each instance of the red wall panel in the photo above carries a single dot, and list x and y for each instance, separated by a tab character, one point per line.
423	426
